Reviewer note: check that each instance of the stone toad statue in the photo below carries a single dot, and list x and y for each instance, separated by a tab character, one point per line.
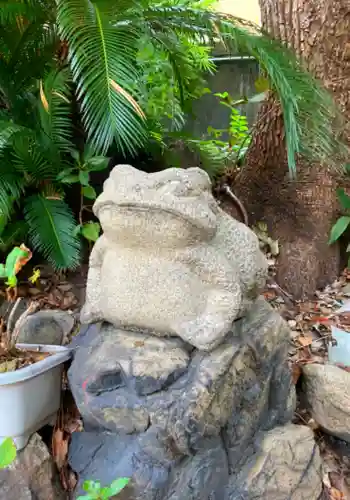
170	261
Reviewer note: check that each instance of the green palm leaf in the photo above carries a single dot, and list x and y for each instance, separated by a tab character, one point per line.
28	41
55	110
51	231
11	185
308	110
8	130
11	233
102	58
10	11
32	160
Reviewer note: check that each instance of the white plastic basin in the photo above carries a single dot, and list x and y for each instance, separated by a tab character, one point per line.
30	397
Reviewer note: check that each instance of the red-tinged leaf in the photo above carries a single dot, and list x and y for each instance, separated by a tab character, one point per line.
59	448
343	367
321	319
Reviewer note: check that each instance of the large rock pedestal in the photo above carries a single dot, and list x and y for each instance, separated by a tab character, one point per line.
186	424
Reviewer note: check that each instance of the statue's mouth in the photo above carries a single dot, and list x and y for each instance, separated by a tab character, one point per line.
183	212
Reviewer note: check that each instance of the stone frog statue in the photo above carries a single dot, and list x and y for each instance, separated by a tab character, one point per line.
170	262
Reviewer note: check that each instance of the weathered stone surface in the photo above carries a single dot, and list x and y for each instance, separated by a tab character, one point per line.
327	392
285	464
282	464
191	434
170	260
240	385
144	364
32	476
49	327
156	473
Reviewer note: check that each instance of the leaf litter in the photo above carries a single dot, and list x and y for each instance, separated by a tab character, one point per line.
14	358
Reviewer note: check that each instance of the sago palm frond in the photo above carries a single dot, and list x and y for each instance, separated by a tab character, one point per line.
27	47
55	110
11	234
102	58
32	161
8	130
308	110
11	11
11	185
32	52
51	231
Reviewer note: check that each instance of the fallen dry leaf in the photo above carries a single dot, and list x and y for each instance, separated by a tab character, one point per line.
336	494
305	340
60	447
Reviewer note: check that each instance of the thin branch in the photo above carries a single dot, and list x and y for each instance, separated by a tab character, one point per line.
237	202
10	321
33	306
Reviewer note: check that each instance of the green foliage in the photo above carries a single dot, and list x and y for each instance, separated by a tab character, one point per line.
30	161
51	226
15	260
132	70
339	228
221	148
164	94
85	163
102	56
308	110
7	453
36	163
96	492
118	42
342	224
91	230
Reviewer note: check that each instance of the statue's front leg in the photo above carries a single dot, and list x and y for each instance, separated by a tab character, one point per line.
91	311
208	329
219	304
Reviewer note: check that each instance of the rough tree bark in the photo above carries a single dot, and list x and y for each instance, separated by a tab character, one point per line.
300	213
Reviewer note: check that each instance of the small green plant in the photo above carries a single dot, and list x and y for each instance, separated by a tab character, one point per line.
7	453
225	147
85	163
343	222
94	491
237	130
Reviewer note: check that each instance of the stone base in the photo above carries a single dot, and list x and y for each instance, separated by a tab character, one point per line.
187	424
282	464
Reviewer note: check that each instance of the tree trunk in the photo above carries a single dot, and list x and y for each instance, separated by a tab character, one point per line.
299	213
